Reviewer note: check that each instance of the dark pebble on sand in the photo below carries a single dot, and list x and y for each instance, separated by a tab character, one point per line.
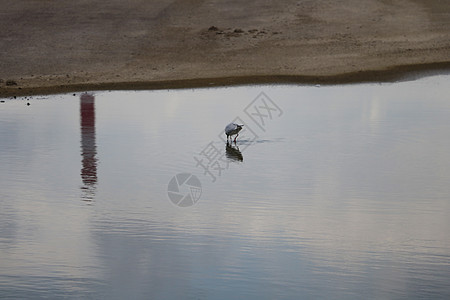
213	28
11	83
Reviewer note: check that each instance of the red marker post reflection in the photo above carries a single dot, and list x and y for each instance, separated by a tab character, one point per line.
88	146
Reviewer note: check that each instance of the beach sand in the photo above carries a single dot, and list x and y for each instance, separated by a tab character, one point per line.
67	46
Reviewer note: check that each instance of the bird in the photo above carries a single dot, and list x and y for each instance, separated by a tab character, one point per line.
233	129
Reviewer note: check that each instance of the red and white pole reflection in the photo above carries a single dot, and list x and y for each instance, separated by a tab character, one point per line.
88	146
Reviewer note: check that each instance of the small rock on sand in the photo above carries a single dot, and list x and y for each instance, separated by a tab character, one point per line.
11	83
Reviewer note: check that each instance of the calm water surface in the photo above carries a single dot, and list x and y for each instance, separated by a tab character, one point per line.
330	192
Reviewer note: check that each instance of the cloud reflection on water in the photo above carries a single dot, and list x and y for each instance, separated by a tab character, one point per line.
345	195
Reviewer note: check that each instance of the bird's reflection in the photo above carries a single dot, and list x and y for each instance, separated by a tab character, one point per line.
88	146
233	153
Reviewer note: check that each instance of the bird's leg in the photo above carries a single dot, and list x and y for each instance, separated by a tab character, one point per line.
236	138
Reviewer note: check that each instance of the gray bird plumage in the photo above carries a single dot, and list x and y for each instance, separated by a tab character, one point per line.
233	129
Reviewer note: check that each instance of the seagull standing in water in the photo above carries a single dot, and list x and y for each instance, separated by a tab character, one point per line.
233	129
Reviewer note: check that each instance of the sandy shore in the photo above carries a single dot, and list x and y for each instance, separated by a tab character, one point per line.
64	46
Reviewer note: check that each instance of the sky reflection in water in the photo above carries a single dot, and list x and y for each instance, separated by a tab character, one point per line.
343	195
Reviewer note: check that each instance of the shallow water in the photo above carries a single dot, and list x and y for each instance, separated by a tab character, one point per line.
329	192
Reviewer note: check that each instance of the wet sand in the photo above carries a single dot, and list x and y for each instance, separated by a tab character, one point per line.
68	46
